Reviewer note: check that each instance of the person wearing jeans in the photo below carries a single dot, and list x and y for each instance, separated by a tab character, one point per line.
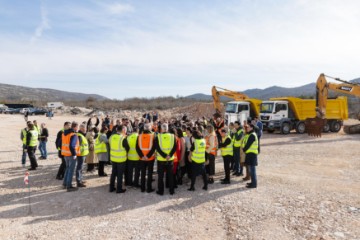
69	172
70	149
42	148
84	151
43	140
79	175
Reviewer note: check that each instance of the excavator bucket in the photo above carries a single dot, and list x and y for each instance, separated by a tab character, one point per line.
314	126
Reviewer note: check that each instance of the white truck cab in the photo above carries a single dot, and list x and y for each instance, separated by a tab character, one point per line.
272	113
237	111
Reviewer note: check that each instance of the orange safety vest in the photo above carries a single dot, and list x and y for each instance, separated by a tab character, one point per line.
155	128
146	141
65	145
207	140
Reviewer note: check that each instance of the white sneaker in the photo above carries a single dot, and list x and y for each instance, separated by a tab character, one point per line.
23	165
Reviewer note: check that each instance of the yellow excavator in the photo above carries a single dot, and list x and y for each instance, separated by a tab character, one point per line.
226	93
315	125
238	110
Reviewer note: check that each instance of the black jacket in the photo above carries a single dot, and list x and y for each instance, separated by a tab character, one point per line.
251	158
224	144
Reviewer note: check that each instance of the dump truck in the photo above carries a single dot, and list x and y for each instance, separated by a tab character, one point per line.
239	110
316	124
288	113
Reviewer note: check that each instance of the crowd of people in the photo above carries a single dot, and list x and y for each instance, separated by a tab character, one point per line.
178	148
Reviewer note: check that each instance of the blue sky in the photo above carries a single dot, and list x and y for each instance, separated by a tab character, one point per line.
123	49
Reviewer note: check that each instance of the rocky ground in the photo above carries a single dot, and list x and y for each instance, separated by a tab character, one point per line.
308	188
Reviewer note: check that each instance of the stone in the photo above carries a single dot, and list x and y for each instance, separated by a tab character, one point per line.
339	234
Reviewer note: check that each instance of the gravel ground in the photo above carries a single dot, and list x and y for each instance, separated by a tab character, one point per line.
308	188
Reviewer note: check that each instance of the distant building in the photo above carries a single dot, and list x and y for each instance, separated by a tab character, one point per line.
55	104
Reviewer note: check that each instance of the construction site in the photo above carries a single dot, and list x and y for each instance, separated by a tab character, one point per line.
308	186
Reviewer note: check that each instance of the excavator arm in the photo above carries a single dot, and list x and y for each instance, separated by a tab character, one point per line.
227	93
315	125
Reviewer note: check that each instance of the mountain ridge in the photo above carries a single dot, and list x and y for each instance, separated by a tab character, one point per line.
9	92
307	91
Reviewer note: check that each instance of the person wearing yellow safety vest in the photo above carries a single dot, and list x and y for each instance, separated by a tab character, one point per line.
118	158
132	160
70	149
101	149
37	127
61	172
251	149
31	144
84	151
145	148
227	152
165	148
238	134
197	158
23	134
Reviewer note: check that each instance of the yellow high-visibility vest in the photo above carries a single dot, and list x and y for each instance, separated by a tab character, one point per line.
228	150
34	138
117	151
166	143
132	154
237	143
254	148
84	146
37	129
198	155
24	132
100	147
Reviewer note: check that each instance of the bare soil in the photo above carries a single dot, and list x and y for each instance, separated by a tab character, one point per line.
308	188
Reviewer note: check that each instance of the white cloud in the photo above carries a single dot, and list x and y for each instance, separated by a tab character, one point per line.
44	24
288	47
119	8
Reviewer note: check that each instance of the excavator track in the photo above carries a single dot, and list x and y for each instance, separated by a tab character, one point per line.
352	129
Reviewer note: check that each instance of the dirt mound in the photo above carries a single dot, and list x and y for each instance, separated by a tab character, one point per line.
197	110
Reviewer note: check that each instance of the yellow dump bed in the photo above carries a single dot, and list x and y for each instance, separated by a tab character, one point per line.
254	104
305	108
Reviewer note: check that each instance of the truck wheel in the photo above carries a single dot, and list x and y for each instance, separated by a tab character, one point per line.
300	127
335	126
326	127
271	131
285	128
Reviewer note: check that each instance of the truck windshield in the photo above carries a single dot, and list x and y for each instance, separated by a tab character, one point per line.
266	107
231	108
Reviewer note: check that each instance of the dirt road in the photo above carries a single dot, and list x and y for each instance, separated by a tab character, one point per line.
308	188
